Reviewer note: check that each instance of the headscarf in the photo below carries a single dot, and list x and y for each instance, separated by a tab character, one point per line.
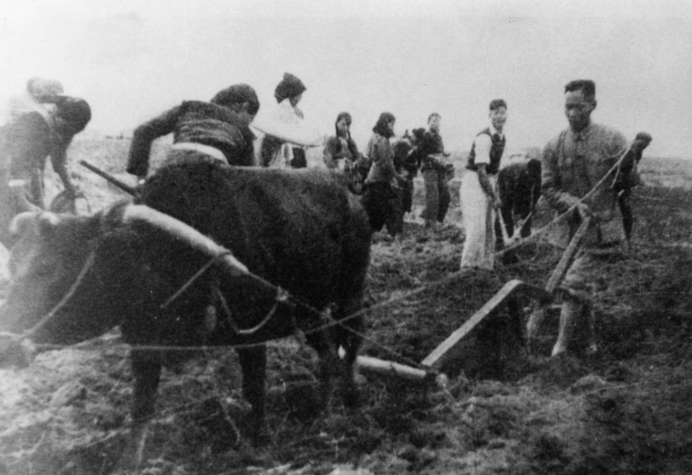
381	125
42	88
290	86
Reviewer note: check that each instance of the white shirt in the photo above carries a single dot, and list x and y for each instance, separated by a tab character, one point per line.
483	143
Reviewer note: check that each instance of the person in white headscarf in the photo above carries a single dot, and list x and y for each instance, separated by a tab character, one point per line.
286	134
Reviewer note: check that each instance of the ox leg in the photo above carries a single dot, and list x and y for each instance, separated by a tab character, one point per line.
348	337
146	375
323	344
253	362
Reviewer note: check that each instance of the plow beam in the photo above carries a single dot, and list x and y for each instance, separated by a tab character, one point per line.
510	288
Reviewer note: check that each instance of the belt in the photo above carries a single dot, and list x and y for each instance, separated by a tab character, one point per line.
201	148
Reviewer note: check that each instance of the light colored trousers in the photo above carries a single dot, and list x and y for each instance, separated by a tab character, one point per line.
478	218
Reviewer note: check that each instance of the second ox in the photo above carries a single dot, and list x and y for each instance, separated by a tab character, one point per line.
75	277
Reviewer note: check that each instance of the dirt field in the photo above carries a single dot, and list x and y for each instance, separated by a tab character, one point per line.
625	410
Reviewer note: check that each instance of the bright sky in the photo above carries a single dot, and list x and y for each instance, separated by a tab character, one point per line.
133	59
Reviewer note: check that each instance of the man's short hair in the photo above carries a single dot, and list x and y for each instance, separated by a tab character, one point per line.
434	114
586	86
497	103
238	94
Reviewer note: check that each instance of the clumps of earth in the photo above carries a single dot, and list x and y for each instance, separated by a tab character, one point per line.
625	410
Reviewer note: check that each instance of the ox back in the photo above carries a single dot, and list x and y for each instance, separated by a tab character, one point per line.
301	230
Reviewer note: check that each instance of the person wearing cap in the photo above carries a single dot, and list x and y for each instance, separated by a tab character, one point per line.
214	130
478	194
285	147
381	199
31	137
435	173
627	178
577	170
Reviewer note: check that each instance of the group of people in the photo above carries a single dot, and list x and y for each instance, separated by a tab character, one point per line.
587	169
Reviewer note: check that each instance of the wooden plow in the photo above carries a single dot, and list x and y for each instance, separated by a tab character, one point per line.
542	297
429	371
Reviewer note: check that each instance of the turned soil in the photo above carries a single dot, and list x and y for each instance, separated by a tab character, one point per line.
625	410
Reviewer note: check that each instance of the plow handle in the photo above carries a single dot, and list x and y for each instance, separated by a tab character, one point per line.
110	178
562	266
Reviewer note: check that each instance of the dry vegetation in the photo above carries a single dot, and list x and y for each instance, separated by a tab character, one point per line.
624	411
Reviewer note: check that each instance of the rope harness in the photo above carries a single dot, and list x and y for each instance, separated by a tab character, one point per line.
284	297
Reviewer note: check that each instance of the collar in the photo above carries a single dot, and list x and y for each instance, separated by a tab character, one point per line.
493	131
584	133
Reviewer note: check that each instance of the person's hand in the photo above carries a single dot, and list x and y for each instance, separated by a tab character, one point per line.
584	211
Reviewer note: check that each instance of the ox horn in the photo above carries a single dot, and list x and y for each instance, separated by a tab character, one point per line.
186	233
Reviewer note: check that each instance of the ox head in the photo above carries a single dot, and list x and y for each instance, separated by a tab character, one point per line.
75	277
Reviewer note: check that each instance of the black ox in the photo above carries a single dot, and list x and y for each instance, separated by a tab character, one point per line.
75	277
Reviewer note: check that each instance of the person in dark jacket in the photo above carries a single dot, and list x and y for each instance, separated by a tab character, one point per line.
406	164
216	130
435	173
628	178
519	185
340	151
381	199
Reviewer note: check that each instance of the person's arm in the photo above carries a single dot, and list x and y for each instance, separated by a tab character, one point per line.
144	135
486	185
551	183
58	158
